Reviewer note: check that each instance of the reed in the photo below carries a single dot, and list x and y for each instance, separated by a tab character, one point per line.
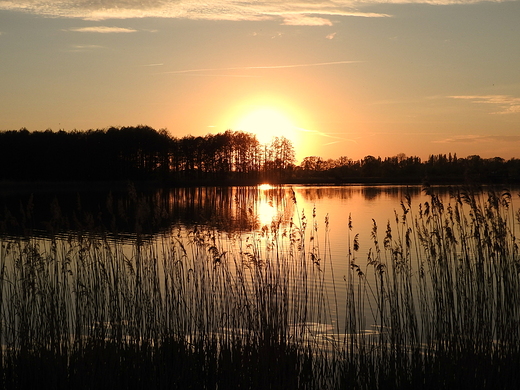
444	286
435	304
197	308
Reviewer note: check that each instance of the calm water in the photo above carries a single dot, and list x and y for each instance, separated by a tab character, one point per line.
242	211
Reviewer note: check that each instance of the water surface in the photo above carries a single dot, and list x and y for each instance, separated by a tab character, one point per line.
342	223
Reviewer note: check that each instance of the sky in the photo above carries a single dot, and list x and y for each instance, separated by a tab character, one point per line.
337	77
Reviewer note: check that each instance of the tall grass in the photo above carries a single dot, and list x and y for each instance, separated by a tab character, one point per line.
435	304
197	308
443	288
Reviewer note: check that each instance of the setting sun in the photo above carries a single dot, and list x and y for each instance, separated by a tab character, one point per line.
267	123
268	116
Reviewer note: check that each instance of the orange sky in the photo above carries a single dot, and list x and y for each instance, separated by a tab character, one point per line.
339	78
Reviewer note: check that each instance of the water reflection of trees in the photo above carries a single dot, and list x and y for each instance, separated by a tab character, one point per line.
226	208
313	194
130	212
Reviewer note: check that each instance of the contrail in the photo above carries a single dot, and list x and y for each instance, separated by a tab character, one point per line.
261	67
318	133
328	135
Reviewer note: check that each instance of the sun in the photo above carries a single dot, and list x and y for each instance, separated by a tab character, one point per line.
268	116
267	123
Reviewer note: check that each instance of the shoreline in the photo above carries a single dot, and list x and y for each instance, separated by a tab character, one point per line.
21	187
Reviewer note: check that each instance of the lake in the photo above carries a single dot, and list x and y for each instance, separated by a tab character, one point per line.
381	286
334	216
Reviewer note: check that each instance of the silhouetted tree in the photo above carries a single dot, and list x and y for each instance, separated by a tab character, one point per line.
142	153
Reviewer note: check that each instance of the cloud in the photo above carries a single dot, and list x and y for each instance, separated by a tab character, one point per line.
223	75
433	2
103	29
261	67
337	142
331	36
473	138
83	48
304	20
299	12
335	138
507	104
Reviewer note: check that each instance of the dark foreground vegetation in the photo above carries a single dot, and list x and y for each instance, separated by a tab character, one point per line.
144	154
434	304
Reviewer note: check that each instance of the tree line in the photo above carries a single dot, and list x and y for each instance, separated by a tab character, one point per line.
143	153
439	168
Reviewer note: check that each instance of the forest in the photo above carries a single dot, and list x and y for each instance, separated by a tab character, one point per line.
141	153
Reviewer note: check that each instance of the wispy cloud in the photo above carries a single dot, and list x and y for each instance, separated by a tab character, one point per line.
299	12
336	142
331	36
83	48
506	104
335	138
432	2
305	20
103	29
260	67
223	75
319	13
295	12
473	138
203	9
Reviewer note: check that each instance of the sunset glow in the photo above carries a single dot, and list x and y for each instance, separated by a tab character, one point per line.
267	123
336	78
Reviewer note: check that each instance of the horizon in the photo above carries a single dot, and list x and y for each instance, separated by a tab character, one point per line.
338	78
268	143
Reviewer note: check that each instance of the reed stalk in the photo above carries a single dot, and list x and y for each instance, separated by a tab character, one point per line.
434	304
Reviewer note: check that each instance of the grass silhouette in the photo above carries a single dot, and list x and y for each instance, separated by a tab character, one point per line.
205	309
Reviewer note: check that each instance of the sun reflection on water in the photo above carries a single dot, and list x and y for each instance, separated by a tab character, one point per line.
272	205
265	187
266	212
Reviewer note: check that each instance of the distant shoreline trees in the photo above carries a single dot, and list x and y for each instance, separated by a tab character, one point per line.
234	157
440	168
